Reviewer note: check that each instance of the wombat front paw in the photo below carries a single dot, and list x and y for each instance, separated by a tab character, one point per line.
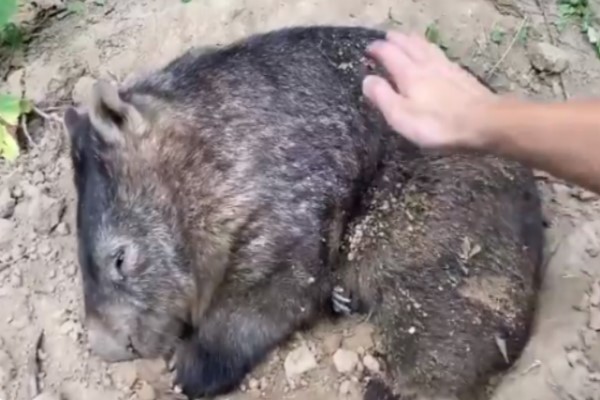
204	372
341	301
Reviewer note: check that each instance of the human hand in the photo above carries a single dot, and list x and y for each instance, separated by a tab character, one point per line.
438	104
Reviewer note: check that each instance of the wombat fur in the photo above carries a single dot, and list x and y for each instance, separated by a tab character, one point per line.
213	197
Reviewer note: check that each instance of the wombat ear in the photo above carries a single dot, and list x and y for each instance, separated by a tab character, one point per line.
111	116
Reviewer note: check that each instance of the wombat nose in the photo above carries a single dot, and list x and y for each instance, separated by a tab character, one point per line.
107	344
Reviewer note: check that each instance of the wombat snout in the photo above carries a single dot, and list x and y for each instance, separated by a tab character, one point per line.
108	344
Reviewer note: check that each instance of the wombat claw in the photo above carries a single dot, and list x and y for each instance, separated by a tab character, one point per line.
341	303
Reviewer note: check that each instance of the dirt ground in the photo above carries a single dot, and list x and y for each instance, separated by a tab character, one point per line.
42	340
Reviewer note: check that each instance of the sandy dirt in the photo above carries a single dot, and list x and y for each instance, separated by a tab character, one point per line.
42	341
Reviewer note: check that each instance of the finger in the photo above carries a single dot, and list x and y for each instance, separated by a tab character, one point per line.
395	108
397	63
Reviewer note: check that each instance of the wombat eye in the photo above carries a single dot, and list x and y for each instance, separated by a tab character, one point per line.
119	260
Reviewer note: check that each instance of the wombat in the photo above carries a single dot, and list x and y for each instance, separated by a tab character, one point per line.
213	197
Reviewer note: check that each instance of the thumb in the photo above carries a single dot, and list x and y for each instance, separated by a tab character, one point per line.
396	109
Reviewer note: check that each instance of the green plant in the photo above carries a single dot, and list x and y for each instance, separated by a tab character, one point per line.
11	109
581	12
497	35
10	34
432	33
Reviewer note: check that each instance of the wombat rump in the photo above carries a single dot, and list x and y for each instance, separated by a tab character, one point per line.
214	197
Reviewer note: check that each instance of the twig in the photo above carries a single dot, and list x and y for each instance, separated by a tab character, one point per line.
563	86
34	366
49	117
26	132
508	49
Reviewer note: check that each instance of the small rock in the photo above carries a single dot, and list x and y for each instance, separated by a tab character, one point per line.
332	342
253	384
7	204
146	392
345	388
38	177
548	58
45	213
44	248
17	192
46	396
299	361
594	319
125	374
371	363
345	361
63	229
7	228
82	90
588	338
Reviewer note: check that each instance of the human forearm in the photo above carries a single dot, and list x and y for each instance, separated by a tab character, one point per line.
560	138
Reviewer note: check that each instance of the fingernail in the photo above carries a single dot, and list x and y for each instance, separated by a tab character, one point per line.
369	86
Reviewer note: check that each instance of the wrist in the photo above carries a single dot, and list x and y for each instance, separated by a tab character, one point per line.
487	122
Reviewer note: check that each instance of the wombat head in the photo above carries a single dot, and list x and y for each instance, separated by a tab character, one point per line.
136	286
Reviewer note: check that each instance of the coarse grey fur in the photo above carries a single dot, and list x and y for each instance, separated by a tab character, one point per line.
214	195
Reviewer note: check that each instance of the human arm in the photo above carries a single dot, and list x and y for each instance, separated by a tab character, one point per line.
439	105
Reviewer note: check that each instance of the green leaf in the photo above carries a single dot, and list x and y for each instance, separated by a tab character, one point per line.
76	7
9	148
10	108
7	10
523	35
432	34
186	1
497	36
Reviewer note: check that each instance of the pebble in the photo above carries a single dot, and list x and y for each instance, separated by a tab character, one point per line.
594	319
345	388
125	374
253	384
146	392
548	58
588	337
7	204
45	212
332	342
17	192
345	361
63	229
38	177
299	361
7	228
371	363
